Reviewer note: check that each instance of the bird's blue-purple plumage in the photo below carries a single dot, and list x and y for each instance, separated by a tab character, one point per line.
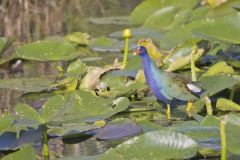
168	87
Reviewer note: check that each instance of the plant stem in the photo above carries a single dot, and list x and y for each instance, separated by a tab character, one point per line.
193	71
223	140
45	142
208	105
125	53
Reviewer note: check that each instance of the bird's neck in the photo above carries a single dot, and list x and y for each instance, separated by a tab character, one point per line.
150	69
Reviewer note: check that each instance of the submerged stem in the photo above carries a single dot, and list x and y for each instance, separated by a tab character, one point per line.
125	53
45	142
193	71
223	140
208	105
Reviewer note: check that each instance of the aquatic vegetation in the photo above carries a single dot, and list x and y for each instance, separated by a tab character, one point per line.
79	88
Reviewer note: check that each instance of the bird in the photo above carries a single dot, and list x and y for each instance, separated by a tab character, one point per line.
168	87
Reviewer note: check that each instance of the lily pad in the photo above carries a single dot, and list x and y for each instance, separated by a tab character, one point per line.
227	105
52	108
27	84
162	18
26	152
155	145
116	86
225	29
5	123
219	68
71	129
81	106
232	132
217	83
78	38
28	115
210	120
76	68
118	128
104	44
47	50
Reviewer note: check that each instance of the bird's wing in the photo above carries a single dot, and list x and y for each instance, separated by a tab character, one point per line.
180	87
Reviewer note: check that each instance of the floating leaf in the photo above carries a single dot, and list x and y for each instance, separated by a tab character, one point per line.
104	44
217	83
5	123
225	29
155	145
183	61
219	68
52	108
162	18
116	86
81	106
118	128
26	152
28	115
232	133
80	158
76	68
78	37
179	35
147	8
227	105
210	120
27	84
71	129
47	50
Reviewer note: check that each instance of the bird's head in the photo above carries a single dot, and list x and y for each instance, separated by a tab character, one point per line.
140	51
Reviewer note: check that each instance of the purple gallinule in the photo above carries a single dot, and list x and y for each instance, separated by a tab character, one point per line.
169	88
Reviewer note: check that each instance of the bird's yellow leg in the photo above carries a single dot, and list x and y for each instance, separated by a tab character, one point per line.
189	107
168	112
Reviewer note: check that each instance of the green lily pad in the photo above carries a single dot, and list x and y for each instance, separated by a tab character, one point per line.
196	132
27	84
116	86
179	35
227	105
217	83
219	68
210	120
71	129
80	158
154	145
52	108
162	18
147	8
225	29
78	38
104	44
28	115
182	58
232	133
47	50
5	123
76	69
26	152
81	106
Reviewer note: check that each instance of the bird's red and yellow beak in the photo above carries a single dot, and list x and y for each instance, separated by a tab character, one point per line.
136	52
